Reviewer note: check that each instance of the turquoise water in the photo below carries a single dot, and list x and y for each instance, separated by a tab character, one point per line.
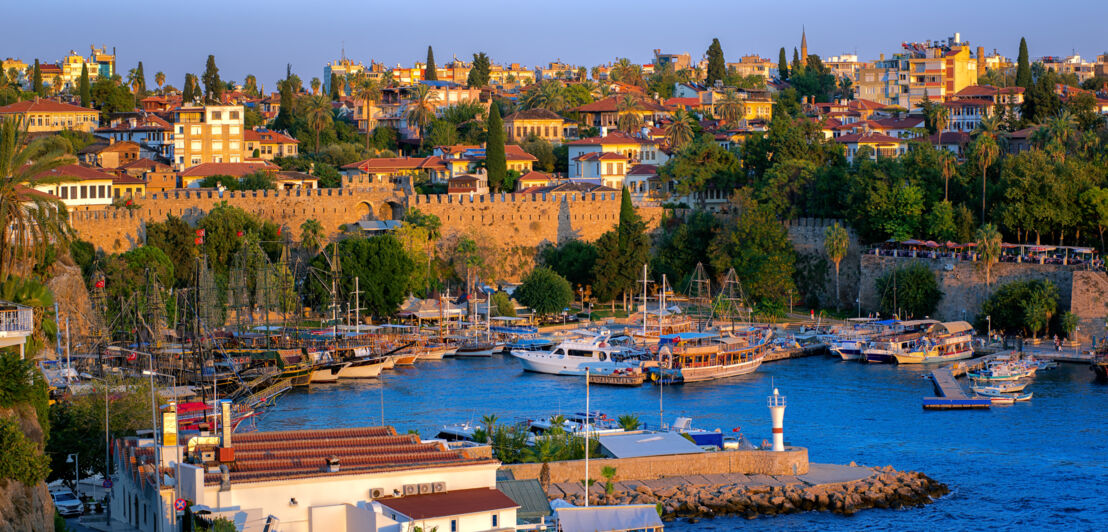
1042	464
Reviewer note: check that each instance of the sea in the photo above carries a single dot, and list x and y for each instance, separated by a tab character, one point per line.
1038	465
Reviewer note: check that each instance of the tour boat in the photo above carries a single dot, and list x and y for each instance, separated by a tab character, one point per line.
473	347
1100	364
907	338
405	359
701	356
597	352
1002	398
944	342
1002	371
363	368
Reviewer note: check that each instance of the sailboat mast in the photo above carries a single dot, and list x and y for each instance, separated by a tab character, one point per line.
588	422
662	304
644	308
357	306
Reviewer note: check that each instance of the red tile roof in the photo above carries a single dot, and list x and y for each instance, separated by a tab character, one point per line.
457	148
147	164
533	114
44	106
611	104
386	164
600	156
868	138
614	137
231	169
450	503
267	136
690	102
643	169
75	172
127	180
513	152
950	137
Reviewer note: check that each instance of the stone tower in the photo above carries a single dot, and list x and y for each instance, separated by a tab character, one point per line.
803	46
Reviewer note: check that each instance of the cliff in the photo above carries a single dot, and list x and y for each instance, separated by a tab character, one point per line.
23	507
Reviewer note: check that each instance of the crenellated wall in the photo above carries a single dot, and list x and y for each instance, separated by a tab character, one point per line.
510	220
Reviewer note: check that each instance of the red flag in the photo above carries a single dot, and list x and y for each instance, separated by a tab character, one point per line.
131	357
199	241
100	283
239	234
278	231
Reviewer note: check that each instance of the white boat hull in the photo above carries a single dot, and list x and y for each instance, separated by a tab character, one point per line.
540	362
328	374
362	370
464	353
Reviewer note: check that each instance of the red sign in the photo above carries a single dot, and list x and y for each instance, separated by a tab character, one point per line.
179	505
131	356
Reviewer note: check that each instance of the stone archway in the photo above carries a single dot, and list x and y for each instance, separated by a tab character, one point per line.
384	212
363	210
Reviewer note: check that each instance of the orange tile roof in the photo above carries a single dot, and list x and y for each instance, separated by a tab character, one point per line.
75	172
450	503
43	106
614	137
267	136
611	105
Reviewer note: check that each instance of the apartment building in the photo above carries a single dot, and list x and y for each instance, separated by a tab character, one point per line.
341	68
40	115
269	144
930	70
754	65
541	123
207	134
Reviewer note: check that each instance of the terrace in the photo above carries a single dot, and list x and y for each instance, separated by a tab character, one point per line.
16	324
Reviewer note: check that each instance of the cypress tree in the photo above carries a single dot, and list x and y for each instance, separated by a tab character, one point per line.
782	65
1023	67
797	67
36	80
432	71
284	114
495	160
479	72
186	93
213	87
85	90
335	86
717	68
141	78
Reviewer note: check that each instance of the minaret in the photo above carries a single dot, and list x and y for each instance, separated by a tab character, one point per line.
803	46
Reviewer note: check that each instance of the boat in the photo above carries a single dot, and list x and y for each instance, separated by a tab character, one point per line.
362	368
943	342
701	356
1003	398
1000	387
1100	364
619	377
529	344
595	423
405	359
1002	371
596	352
434	351
328	372
476	348
907	338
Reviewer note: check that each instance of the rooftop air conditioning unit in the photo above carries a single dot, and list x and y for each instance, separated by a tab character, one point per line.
438	487
425	488
376	493
411	489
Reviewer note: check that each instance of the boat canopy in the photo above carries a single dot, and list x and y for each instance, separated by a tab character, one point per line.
687	336
514	330
955	327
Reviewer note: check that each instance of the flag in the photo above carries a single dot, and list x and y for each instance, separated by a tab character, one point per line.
131	356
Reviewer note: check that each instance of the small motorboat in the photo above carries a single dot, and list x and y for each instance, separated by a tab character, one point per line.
1001	387
1001	397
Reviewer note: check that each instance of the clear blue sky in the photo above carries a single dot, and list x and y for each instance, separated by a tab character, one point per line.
260	37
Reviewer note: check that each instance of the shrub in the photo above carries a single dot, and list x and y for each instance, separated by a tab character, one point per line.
21	460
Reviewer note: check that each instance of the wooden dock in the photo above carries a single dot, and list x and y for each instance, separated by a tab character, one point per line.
951	394
795	352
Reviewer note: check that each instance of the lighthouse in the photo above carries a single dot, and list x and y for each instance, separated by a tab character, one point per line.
777	414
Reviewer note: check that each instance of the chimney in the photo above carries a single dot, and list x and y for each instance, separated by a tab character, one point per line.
882	57
226	451
333	464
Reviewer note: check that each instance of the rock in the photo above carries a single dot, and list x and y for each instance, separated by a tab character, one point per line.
852	464
644	489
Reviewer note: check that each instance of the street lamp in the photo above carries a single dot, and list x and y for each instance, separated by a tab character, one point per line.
989	319
154	419
73	458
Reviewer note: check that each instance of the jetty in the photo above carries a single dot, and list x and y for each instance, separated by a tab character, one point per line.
951	395
796	352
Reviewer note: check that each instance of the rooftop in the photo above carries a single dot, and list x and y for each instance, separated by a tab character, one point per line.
44	106
450	503
231	169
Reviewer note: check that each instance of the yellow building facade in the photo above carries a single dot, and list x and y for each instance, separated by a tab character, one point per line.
48	116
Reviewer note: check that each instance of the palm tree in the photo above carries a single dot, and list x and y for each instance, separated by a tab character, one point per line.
421	109
315	85
680	131
609	473
489	422
987	151
1062	126
159	78
311	235
948	162
318	113
545	95
940	118
629	422
988	247
365	89
731	108
835	242
629	120
29	223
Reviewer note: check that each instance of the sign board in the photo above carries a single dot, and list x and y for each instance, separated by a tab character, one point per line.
107	483
179	505
169	428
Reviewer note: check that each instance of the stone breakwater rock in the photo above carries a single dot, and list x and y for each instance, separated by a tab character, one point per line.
886	488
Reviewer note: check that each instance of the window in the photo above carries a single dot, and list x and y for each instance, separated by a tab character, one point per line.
234	115
453	525
84	192
65	193
217	115
494	520
194	130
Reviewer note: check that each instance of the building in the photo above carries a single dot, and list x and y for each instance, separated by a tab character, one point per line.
754	65
879	145
290	180
392	110
463	159
110	154
635	150
605	113
342	68
157	177
78	187
674	61
17	322
207	134
605	168
390	171
338	480
153	133
930	70
542	123
534	179
845	66
1070	65
192	177
40	115
261	143
476	183
105	62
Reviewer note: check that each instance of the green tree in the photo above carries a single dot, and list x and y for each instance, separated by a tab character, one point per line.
432	71
336	87
1008	307
442	133
545	292
782	65
988	247
731	107
315	84
496	163
757	246
379	263
36	80
940	222
835	243
479	71
111	97
421	109
85	89
176	239
542	150
317	111
621	253
159	78
629	422
911	292
572	259
985	151
365	90
717	67
312	235
140	78
679	132
1039	307
30	225
226	228
213	87
502	305
1023	66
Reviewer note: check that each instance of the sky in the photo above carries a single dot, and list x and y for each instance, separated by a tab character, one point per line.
261	37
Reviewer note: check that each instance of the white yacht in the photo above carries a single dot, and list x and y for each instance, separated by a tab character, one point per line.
597	352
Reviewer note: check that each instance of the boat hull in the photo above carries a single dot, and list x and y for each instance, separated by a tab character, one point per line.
880	358
405	359
560	365
468	352
919	357
328	373
362	369
719	372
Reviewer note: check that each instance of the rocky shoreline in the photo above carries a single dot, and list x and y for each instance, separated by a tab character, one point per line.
886	488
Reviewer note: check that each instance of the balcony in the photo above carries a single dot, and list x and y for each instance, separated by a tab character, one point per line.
16	324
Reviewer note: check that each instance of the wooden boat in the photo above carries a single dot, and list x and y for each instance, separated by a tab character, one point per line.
434	352
1001	397
618	378
701	356
1000	387
362	368
327	372
405	359
943	342
476	348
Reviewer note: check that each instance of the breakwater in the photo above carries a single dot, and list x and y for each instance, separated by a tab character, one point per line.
838	489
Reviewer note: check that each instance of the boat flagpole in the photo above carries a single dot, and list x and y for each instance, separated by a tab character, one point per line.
644	308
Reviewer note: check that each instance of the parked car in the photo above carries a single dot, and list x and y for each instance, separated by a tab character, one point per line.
67	503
